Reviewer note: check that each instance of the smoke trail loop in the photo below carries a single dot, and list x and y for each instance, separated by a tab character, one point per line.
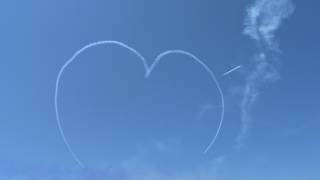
148	70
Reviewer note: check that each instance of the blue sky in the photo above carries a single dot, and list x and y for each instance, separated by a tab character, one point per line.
125	127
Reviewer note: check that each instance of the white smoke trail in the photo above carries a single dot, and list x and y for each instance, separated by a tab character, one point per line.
148	70
214	80
263	18
231	70
74	155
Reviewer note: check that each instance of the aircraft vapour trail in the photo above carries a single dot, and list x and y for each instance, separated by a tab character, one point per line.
213	77
148	70
263	18
74	155
230	71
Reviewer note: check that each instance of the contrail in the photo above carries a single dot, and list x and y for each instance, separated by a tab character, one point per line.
230	71
74	155
263	18
214	80
148	70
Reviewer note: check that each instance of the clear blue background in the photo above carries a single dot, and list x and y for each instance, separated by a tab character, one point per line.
111	114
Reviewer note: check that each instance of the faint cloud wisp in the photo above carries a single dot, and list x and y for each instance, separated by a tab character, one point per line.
263	18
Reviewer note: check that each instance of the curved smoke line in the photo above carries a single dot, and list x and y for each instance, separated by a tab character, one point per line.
148	70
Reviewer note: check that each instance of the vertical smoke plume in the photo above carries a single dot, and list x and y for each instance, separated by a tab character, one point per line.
263	18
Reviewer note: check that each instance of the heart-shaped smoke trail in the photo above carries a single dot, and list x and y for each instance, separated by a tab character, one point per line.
148	70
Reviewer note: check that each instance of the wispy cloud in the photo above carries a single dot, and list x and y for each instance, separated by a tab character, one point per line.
140	166
206	108
139	170
133	169
263	18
